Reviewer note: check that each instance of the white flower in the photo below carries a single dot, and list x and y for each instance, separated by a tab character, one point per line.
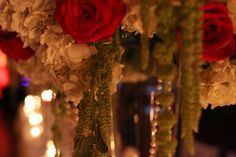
62	48
75	53
30	19
132	21
17	24
34	70
20	5
219	84
72	82
5	15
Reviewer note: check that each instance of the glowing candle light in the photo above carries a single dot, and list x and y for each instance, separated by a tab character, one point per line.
35	119
36	131
47	95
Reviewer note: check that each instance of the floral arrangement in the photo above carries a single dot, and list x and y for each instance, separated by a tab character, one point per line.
75	45
218	79
55	51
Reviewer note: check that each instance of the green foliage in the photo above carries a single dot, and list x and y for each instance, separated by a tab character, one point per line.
190	61
165	98
166	71
164	151
185	18
166	120
94	127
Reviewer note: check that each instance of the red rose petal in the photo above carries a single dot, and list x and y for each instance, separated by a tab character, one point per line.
219	53
215	8
211	29
12	46
90	20
218	42
221	37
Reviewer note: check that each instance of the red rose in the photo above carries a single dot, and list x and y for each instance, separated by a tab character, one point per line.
12	46
218	37
89	20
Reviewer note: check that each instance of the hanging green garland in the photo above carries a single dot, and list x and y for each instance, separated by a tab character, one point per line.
190	62
94	128
166	73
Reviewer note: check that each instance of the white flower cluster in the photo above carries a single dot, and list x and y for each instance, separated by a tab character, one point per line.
219	84
133	20
57	58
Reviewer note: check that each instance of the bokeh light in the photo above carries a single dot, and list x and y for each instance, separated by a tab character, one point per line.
47	95
3	59
51	150
24	81
36	131
35	119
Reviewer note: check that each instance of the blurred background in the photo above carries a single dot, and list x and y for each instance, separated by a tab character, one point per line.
26	117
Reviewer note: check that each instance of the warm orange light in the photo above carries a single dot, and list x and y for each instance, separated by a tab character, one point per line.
3	59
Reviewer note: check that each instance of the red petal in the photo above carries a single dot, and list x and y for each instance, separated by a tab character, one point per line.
12	46
219	53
